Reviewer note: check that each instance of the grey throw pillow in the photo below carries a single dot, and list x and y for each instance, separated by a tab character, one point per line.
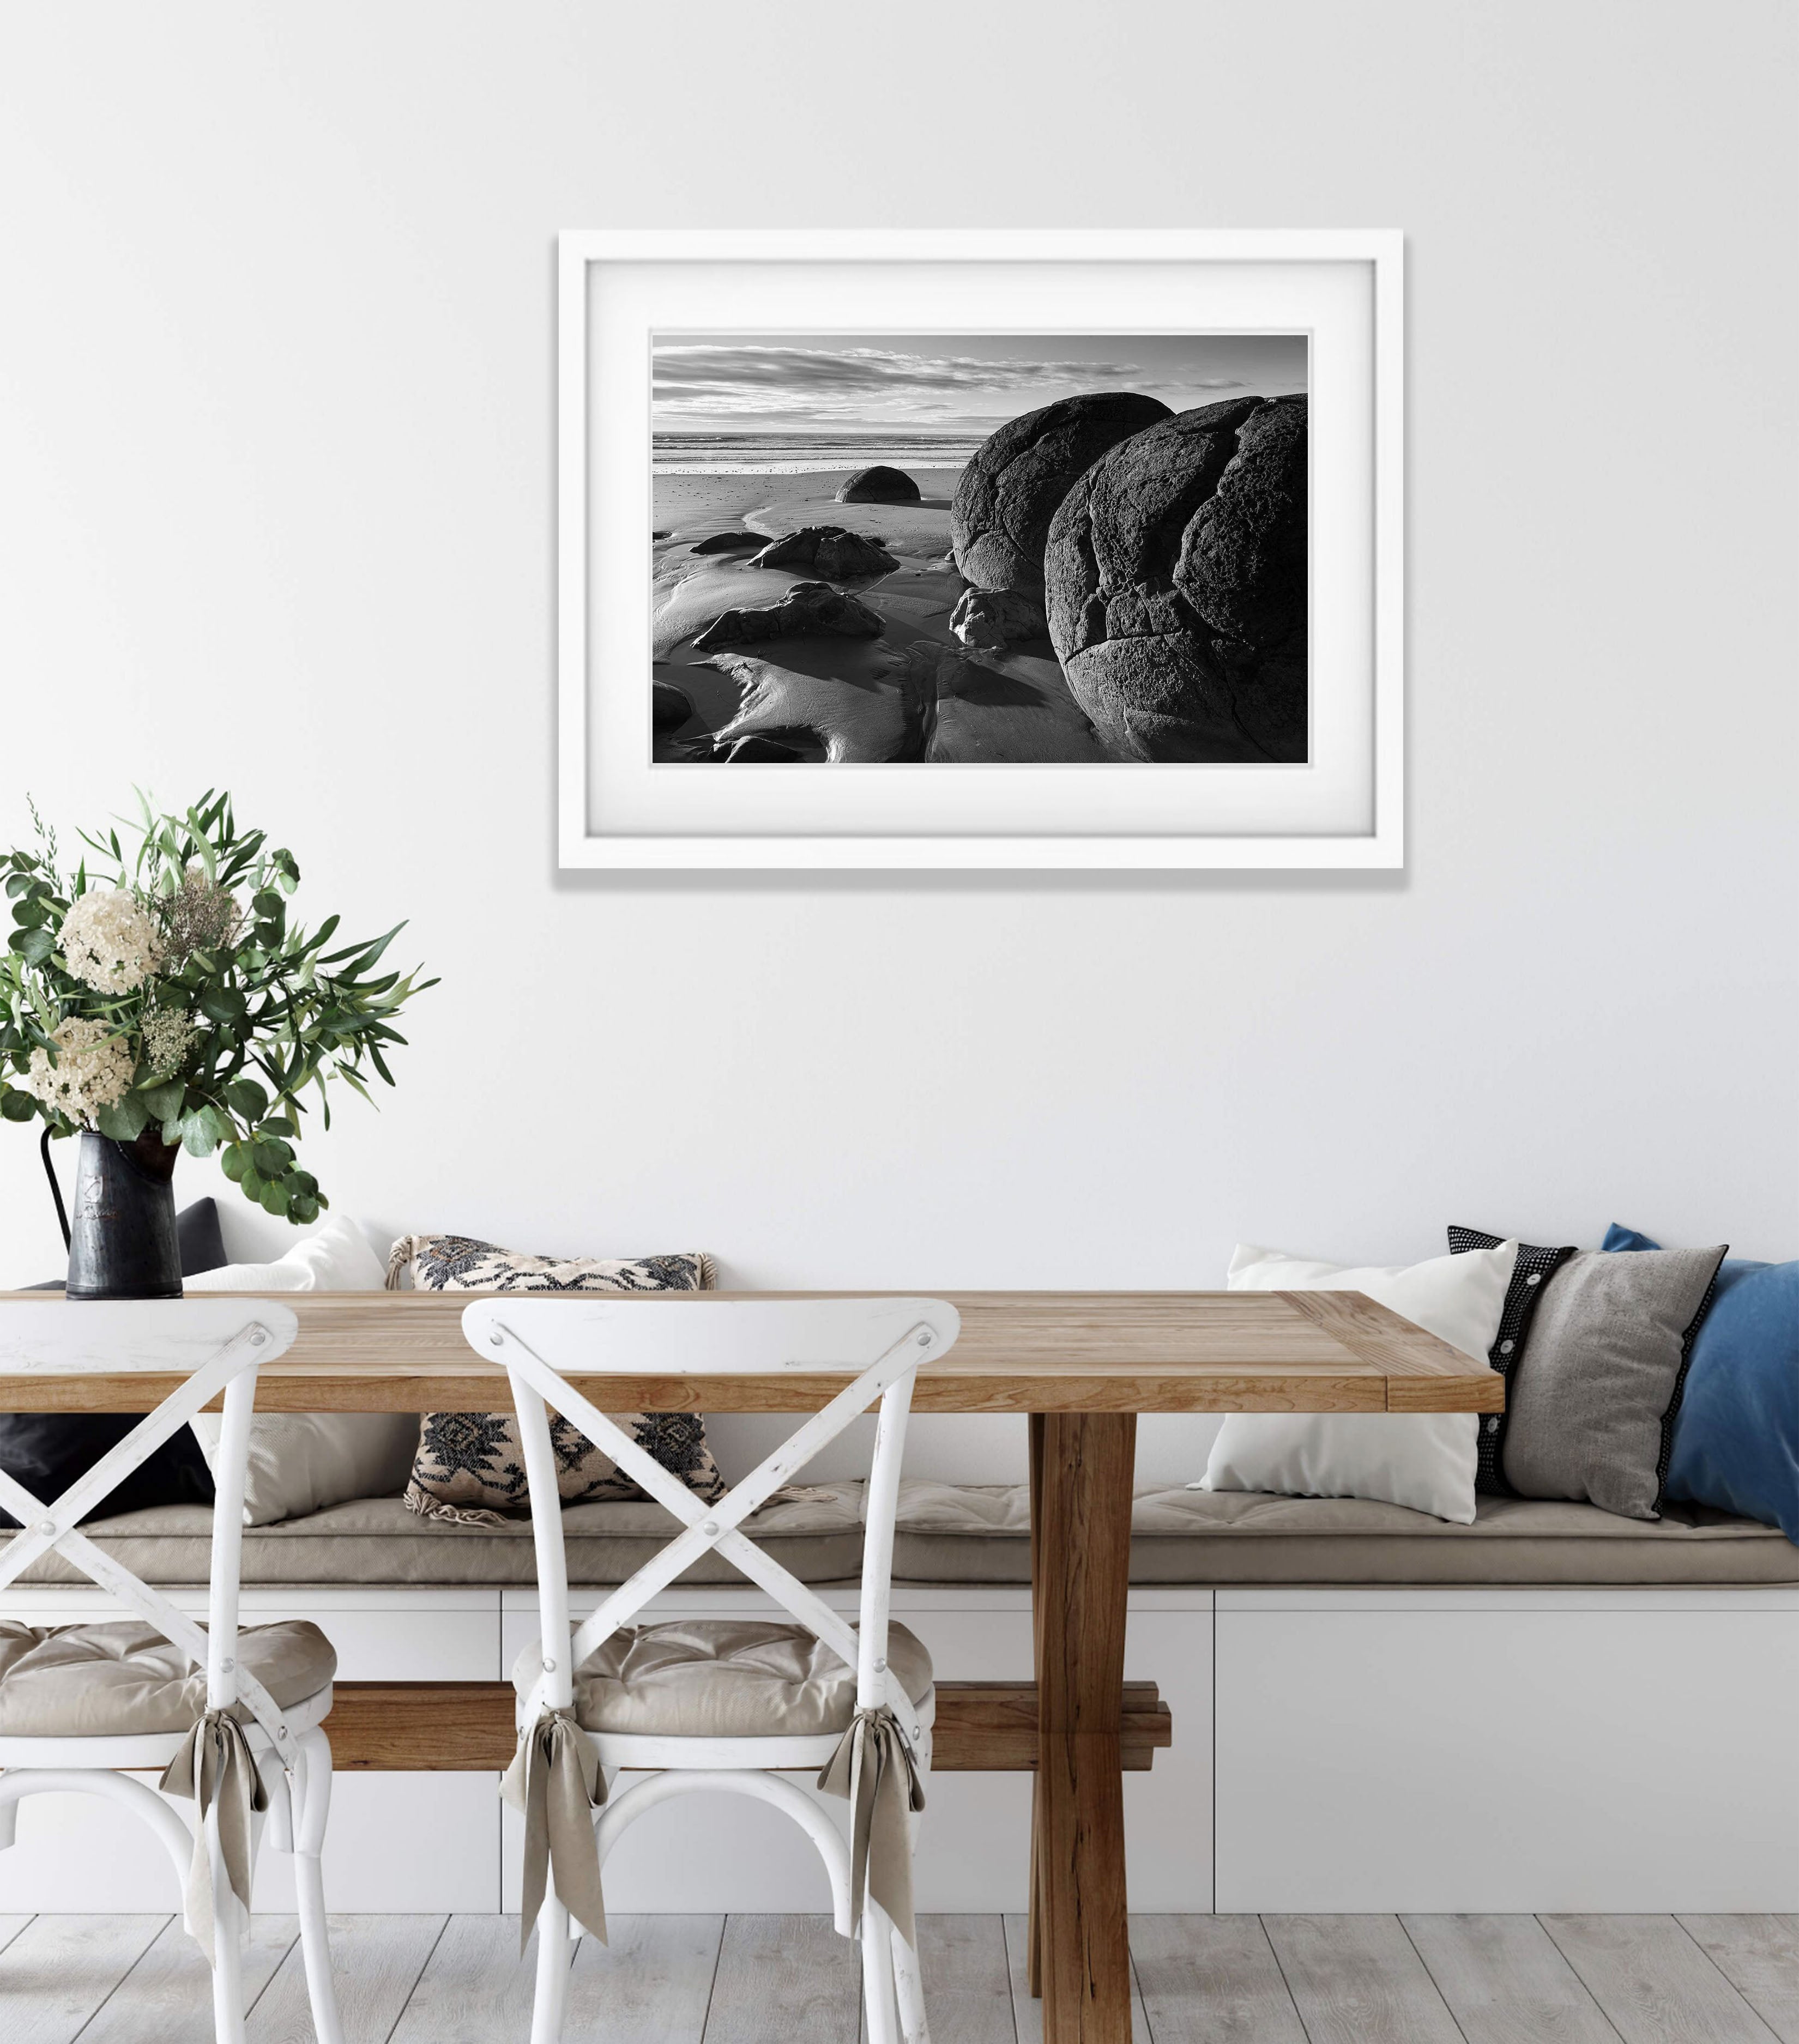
1594	1398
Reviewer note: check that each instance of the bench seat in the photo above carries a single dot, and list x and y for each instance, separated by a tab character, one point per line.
961	1534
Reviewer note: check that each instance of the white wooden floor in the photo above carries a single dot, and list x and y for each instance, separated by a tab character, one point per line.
789	1980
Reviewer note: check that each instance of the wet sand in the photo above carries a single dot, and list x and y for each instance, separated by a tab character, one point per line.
915	689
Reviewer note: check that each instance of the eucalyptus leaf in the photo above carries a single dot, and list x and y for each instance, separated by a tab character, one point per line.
234	1161
125	1119
271	1158
203	1131
223	1005
17	1106
246	1097
33	946
275	1197
164	1100
302	1208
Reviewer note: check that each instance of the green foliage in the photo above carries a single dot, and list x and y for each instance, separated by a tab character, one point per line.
267	1013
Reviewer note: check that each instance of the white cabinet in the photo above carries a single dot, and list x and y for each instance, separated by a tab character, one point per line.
1500	1750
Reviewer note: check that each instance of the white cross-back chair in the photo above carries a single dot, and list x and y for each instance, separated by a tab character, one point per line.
675	1699
79	1703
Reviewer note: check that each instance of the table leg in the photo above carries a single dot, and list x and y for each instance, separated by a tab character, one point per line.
1080	1470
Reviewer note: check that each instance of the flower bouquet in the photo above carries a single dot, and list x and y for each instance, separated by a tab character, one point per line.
163	1000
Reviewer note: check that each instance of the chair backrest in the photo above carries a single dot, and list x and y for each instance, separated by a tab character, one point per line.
213	1346
879	1343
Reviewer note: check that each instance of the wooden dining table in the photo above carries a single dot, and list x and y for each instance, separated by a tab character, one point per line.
1081	1365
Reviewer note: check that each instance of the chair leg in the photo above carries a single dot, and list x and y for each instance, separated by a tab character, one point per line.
908	1983
555	1954
312	1785
228	1947
909	1988
877	1996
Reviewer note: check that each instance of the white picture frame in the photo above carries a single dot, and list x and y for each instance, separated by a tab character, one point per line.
1343	808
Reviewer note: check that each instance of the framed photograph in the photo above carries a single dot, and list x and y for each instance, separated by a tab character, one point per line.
980	549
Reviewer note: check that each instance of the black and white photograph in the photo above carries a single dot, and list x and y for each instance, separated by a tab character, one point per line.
1034	549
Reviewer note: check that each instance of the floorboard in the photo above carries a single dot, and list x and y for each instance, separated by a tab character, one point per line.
967	1979
1653	1981
1027	2012
791	1979
157	2000
1357	1979
378	1961
60	1969
1504	1981
475	1988
1211	1980
650	1985
1759	1957
785	1980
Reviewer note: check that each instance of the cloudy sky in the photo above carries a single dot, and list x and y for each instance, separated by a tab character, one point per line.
914	382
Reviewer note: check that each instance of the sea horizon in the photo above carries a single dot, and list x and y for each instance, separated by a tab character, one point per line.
803	454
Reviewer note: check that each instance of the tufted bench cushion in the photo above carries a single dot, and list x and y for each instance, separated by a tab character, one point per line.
123	1679
981	1534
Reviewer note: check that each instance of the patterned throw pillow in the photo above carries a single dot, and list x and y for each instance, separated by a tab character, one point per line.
470	1467
1530	1274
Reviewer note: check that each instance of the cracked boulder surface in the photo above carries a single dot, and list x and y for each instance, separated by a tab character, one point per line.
1009	492
808	607
879	485
830	551
1175	578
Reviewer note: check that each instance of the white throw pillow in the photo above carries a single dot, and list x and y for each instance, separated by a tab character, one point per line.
1426	1461
302	1462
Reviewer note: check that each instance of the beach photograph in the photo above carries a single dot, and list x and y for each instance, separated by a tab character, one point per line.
990	549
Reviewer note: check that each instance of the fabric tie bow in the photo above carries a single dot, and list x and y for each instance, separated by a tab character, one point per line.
215	1769
874	1767
556	1783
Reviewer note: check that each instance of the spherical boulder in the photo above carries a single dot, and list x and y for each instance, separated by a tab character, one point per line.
670	707
1000	516
878	485
1175	577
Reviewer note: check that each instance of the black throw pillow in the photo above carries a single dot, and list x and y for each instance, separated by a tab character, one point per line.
1532	1271
47	1451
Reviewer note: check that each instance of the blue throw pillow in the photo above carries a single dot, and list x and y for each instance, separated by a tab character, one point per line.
1736	1437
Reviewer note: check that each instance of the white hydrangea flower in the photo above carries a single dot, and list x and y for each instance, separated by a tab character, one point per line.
109	941
93	1069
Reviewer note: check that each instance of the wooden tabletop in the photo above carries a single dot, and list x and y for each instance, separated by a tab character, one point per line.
1020	1352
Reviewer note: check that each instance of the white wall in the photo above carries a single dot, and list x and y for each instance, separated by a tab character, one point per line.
275	512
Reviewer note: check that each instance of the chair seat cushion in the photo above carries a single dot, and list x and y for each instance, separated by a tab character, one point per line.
724	1678
123	1679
